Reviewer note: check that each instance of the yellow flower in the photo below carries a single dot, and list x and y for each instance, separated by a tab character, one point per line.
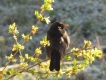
87	43
34	29
14	47
38	52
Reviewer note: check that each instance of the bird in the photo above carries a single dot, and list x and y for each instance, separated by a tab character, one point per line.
59	43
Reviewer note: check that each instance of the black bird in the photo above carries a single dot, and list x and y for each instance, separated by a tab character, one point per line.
59	43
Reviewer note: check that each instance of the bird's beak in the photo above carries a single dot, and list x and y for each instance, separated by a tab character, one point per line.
65	25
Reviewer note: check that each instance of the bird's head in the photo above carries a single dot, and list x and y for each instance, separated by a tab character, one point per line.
58	25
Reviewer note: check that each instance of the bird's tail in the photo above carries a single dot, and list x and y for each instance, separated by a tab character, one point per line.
55	60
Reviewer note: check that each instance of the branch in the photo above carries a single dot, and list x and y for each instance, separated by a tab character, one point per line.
27	68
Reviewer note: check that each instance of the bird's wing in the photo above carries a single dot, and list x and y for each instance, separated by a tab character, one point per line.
48	51
49	48
63	43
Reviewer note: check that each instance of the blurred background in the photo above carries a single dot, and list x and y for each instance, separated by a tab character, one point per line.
86	19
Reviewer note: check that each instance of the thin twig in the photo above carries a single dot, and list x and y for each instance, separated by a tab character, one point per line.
10	60
12	56
98	41
26	69
71	62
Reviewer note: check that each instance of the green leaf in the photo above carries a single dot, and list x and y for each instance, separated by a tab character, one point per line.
67	57
36	14
45	38
11	71
75	62
26	56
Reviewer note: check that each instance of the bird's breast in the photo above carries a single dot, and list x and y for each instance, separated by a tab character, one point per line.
61	40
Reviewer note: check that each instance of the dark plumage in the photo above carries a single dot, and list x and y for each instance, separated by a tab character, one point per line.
59	43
